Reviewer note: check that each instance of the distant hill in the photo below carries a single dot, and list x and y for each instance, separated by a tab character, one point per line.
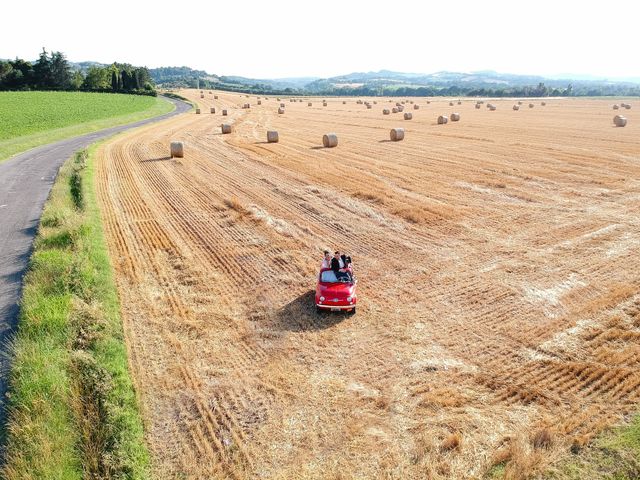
386	82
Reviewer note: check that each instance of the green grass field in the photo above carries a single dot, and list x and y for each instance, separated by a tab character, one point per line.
30	119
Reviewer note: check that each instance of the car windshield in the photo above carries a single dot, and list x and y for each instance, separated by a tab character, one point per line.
329	276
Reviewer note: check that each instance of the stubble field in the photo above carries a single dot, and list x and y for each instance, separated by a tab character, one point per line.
498	323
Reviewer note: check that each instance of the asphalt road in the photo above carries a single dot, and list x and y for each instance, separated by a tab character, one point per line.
25	183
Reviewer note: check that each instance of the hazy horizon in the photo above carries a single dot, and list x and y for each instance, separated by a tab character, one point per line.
284	40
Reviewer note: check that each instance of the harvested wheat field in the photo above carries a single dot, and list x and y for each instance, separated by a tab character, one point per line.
499	305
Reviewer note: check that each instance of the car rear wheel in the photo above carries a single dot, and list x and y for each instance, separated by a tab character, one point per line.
318	310
352	311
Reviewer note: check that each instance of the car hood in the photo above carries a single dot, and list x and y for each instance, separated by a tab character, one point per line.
337	289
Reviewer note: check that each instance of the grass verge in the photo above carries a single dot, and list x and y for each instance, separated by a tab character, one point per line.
49	118
72	409
614	455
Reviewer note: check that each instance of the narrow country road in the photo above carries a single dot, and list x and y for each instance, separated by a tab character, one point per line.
25	183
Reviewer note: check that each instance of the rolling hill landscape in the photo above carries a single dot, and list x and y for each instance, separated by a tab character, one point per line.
385	82
283	271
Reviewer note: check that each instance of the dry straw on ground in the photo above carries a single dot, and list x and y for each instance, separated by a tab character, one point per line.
508	310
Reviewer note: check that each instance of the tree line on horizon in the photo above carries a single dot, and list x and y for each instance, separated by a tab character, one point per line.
52	71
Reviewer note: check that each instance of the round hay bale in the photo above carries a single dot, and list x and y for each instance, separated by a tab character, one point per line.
531	105
330	140
401	108
459	102
455	117
416	107
451	104
281	110
492	108
226	128
215	97
627	106
177	149
616	107
282	105
277	99
403	102
396	134
516	107
224	113
324	104
544	104
619	121
202	95
478	105
408	116
375	103
197	111
213	109
246	105
385	111
369	106
259	102
428	102
344	102
442	119
309	104
394	110
359	102
272	136
520	102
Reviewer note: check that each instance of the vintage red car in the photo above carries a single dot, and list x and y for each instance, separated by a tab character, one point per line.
336	293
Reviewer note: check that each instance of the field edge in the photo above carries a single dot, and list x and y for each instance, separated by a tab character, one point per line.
72	409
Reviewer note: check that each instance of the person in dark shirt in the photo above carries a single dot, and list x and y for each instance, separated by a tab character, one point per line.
339	267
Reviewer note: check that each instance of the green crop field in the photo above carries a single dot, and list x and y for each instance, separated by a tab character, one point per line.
30	119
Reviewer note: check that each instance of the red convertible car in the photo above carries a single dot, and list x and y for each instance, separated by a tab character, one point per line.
335	294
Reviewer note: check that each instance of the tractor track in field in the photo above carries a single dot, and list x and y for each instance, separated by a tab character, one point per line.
499	290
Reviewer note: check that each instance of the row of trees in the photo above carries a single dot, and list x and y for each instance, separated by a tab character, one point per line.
53	72
539	90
